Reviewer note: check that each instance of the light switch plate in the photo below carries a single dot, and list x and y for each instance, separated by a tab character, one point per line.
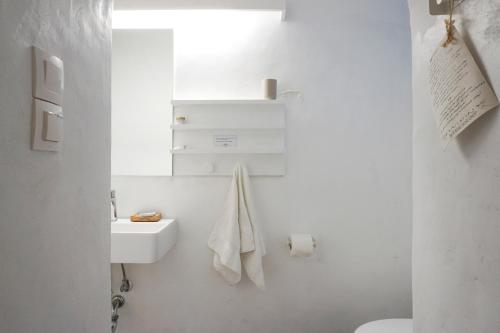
48	77
47	126
52	126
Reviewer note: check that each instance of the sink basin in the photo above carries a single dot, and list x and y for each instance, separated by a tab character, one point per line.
141	242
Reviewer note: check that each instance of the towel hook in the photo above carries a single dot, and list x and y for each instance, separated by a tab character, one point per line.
437	7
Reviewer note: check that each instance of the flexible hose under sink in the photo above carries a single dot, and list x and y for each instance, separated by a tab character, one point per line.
117	302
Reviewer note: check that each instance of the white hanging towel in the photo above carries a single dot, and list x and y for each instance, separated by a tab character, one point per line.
235	239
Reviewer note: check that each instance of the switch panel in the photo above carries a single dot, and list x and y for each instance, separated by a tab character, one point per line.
52	126
47	126
48	77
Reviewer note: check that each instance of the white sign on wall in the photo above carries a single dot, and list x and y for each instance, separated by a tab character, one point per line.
225	140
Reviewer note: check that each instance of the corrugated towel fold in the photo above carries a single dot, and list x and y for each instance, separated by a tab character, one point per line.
235	238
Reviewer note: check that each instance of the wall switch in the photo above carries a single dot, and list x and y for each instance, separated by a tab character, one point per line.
48	77
52	126
47	126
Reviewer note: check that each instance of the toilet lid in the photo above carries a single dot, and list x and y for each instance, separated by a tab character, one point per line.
387	326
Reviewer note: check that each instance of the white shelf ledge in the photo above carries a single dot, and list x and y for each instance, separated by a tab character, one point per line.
234	151
180	102
189	127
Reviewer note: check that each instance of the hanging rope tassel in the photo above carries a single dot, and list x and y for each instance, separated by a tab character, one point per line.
449	25
449	32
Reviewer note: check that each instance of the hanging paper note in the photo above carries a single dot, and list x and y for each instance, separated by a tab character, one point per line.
460	93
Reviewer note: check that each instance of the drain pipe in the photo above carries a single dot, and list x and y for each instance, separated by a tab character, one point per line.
126	283
117	301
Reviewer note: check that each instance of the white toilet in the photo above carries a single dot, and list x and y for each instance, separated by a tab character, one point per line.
387	326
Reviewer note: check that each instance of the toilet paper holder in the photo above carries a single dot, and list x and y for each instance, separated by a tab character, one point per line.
290	242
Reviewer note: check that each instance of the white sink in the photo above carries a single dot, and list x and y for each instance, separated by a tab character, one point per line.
141	242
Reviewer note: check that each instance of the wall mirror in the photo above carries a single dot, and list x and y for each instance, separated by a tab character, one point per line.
142	90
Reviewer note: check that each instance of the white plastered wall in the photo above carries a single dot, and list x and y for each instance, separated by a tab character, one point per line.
348	178
456	191
54	207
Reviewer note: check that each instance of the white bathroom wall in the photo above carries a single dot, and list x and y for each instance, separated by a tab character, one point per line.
348	178
54	207
456	191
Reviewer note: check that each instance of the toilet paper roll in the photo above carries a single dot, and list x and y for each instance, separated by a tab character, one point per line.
270	88
301	245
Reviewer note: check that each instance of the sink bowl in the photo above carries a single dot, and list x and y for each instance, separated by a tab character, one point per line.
141	242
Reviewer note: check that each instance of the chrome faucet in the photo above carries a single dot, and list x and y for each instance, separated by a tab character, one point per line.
114	216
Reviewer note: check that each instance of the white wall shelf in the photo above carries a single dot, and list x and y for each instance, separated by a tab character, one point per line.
220	133
179	102
228	151
189	127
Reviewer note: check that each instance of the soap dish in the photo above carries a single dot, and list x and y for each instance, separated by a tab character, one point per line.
141	218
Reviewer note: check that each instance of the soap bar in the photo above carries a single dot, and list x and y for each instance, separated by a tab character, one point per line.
146	214
141	218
